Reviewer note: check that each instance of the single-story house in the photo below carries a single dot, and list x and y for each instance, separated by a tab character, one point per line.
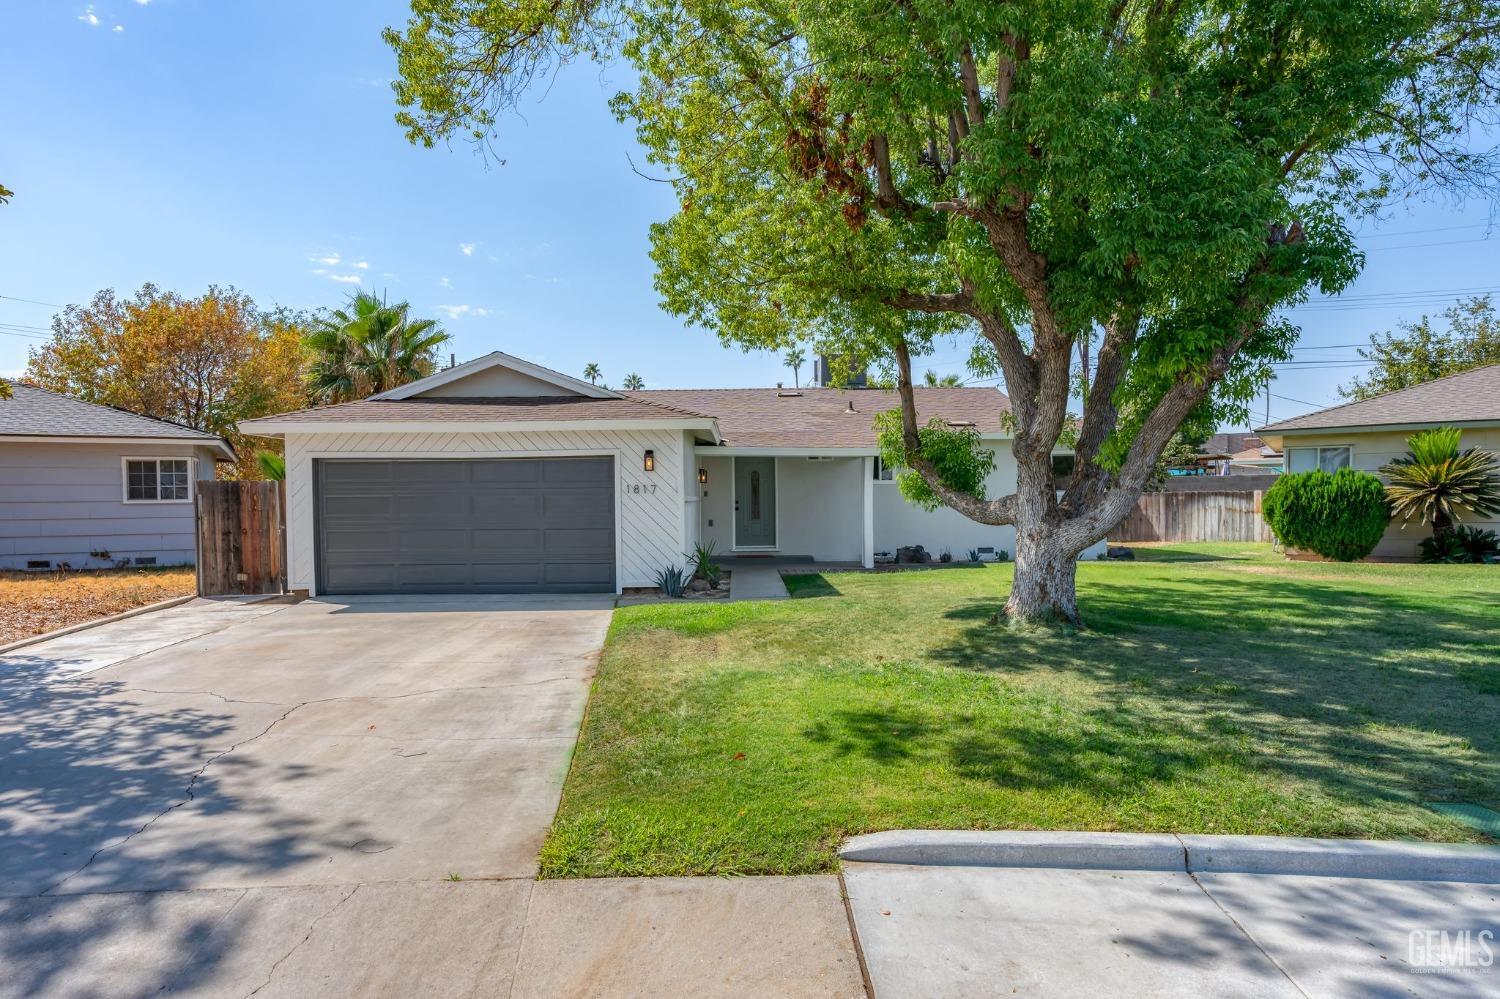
1370	433
499	475
93	486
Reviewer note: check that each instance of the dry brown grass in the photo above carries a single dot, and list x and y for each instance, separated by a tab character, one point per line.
35	602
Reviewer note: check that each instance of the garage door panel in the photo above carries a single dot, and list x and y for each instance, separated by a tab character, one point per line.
357	541
337	473
573	507
598	472
466	525
500	508
428	473
509	472
439	507
516	542
576	540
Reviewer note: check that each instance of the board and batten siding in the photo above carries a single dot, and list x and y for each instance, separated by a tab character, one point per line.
1372	449
60	502
652	532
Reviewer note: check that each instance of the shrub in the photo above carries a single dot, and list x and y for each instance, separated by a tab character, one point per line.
672	580
973	554
1340	516
701	562
1461	545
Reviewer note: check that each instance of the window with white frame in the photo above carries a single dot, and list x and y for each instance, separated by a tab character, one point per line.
158	480
884	472
1329	459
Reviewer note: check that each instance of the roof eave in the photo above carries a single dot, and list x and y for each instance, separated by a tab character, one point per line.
280	428
497	359
217	443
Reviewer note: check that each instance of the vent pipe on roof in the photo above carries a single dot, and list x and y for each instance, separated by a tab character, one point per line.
851	406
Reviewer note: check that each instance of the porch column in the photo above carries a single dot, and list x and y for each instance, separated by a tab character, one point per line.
867	555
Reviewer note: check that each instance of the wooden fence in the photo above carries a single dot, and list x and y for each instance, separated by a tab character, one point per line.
1195	516
241	538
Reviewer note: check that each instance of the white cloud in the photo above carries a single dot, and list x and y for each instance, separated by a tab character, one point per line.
444	283
143	2
362	265
459	311
118	27
89	17
467	249
389	274
331	260
345	278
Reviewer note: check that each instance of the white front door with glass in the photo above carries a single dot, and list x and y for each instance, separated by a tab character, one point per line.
755	502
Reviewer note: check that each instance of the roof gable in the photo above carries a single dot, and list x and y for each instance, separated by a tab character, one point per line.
497	375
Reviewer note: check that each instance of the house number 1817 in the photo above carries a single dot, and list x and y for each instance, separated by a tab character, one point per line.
636	487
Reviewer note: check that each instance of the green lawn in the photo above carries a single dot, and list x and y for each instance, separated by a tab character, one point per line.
1218	689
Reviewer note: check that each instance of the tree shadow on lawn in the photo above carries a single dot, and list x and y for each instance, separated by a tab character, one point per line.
1372	696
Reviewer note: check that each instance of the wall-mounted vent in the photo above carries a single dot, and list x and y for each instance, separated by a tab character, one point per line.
145	560
820	457
38	564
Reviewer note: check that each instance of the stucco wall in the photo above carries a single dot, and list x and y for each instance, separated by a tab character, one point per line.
59	502
1373	449
899	523
651	531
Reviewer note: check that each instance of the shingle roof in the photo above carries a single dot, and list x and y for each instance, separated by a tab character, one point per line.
820	417
746	417
1468	397
35	412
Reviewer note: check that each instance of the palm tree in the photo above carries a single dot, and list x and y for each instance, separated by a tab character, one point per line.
932	379
370	347
794	360
634	382
272	465
591	372
1435	481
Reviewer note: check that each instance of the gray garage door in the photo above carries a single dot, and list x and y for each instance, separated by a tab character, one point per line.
527	525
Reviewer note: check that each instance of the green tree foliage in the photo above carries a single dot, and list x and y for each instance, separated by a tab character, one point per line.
633	382
1437	484
368	347
6	194
1162	180
1419	353
933	380
1340	516
794	359
272	465
592	373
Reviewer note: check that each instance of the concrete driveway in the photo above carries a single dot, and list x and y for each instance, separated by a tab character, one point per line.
184	818
346	798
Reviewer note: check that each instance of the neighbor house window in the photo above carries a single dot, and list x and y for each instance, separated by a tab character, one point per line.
157	480
1329	459
883	472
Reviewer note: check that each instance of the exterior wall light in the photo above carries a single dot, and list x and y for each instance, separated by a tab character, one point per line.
649	464
702	476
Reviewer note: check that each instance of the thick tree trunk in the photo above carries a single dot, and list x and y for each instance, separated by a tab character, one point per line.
1044	590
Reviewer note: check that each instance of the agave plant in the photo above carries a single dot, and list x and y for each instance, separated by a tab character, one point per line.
673	580
1436	483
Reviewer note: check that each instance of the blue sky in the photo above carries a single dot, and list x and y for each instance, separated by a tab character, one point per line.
191	142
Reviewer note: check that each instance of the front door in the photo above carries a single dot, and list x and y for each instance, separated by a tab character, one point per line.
755	502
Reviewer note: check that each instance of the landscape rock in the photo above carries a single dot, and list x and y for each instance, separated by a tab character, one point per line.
912	554
1120	552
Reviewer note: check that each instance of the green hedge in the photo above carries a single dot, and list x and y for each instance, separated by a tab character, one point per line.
1340	516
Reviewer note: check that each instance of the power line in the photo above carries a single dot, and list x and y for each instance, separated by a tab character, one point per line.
29	336
32	301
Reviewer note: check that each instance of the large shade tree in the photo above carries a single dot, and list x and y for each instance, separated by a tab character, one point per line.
1142	185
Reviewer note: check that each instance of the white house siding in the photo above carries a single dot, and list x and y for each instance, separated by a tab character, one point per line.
60	502
1375	448
899	523
652	531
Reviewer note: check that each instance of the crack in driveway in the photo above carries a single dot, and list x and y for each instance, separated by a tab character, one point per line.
311	928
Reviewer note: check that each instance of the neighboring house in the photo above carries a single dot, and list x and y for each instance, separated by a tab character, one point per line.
1368	434
86	485
1234	454
500	475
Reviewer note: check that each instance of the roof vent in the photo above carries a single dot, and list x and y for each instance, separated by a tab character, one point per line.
784	394
959	424
850	408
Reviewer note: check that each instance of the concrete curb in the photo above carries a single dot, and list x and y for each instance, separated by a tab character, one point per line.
1328	858
96	622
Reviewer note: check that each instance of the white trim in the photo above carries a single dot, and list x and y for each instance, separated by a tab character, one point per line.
212	442
734	503
314	456
192	476
273	427
1373	428
877	463
498	359
867	546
